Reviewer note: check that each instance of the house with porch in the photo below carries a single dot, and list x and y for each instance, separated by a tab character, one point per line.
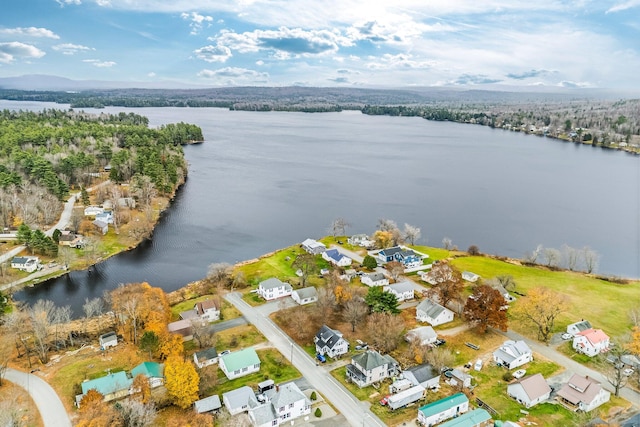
239	363
112	386
313	247
304	296
443	409
530	390
591	342
274	288
371	367
403	291
154	372
374	279
330	342
431	312
282	405
336	258
582	394
512	354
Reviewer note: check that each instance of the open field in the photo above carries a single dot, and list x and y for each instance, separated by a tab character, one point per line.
238	337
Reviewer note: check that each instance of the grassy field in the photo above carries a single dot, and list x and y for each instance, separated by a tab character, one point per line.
277	264
604	303
435	254
238	337
273	365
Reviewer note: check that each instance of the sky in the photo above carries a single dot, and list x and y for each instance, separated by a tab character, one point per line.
352	43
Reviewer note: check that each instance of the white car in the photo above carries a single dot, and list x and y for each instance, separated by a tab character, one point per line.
627	372
519	373
566	336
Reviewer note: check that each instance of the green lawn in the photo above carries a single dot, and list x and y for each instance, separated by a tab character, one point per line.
277	264
434	253
273	365
186	305
238	337
604	303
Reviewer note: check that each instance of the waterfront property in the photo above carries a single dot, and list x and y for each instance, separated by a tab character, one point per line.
470	277
304	296
274	288
26	263
313	247
407	257
208	310
110	339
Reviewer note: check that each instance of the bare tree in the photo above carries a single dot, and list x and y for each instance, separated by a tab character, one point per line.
390	226
77	216
615	371
354	311
440	358
89	310
144	190
532	257
385	331
552	257
447	243
203	334
137	414
411	233
570	256
395	269
326	303
590	259
61	316
41	316
219	273
11	412
339	227
131	309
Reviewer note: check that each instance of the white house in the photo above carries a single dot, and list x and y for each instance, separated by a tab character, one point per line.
512	354
25	263
374	279
282	406
425	335
425	375
330	342
239	363
402	290
336	258
530	390
371	367
313	247
360	240
433	313
470	277
305	295
205	357
93	211
591	342
239	400
208	404
208	310
443	409
110	339
274	288
457	378
582	394
576	328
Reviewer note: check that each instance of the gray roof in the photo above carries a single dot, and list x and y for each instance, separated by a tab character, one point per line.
207	354
402	287
288	393
239	397
207	404
430	308
423	333
421	373
263	414
372	359
309	292
271	283
583	325
327	337
511	350
392	251
375	276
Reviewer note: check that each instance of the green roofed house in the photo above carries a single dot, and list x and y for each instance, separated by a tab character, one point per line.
240	363
443	409
113	386
152	370
475	418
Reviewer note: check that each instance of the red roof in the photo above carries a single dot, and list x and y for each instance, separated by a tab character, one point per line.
594	336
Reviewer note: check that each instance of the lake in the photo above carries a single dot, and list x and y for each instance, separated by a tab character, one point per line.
263	181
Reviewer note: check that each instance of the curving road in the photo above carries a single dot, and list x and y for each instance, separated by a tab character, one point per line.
49	404
357	413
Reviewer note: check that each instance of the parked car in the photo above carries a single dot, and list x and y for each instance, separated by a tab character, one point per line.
321	358
362	346
519	373
627	372
566	336
224	353
384	400
478	365
439	342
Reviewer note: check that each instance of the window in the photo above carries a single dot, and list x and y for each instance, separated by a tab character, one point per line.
290	405
245	369
274	422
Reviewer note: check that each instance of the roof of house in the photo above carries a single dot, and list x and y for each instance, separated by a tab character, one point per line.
272	283
402	287
100	224
582	325
310	243
263	413
580	389
391	251
179	325
239	397
431	308
423	333
240	359
327	337
421	373
407	253
308	292
470	274
108	384
207	354
286	394
335	254
534	386
148	369
469	419
370	360
441	405
511	350
374	277
24	259
207	304
594	336
207	404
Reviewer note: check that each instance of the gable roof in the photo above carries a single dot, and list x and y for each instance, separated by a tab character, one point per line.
207	304
272	283
370	360
511	350
534	386
421	373
207	354
327	337
308	292
431	308
335	254
148	369
582	325
441	405
374	277
108	384
423	333
594	336
469	419
288	393
391	251
580	389
402	287
310	243
207	404
240	397
240	359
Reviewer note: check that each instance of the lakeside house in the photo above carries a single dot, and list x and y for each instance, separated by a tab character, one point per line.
110	339
274	288
470	277
26	263
208	310
361	240
407	257
313	247
336	258
113	386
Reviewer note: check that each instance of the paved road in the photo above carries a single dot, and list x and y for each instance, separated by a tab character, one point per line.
573	366
48	403
356	412
228	324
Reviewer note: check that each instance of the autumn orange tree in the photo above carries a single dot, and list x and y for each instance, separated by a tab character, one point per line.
541	307
486	308
181	381
634	343
95	412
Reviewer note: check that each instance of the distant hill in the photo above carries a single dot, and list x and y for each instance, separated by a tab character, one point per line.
44	82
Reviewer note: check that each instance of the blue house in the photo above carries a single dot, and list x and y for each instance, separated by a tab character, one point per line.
336	258
405	256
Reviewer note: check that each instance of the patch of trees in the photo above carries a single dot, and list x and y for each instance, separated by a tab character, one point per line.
36	241
573	259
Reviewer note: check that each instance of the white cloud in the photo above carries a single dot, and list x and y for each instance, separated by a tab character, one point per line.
232	76
623	6
11	51
100	64
197	21
211	53
151	74
70	48
29	32
65	2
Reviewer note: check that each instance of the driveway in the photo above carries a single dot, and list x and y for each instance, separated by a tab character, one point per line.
228	324
357	413
48	403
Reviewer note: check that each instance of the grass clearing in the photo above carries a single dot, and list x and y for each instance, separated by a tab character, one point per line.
463	354
238	337
277	264
186	306
435	254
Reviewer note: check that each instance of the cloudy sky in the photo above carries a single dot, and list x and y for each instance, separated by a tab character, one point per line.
362	43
